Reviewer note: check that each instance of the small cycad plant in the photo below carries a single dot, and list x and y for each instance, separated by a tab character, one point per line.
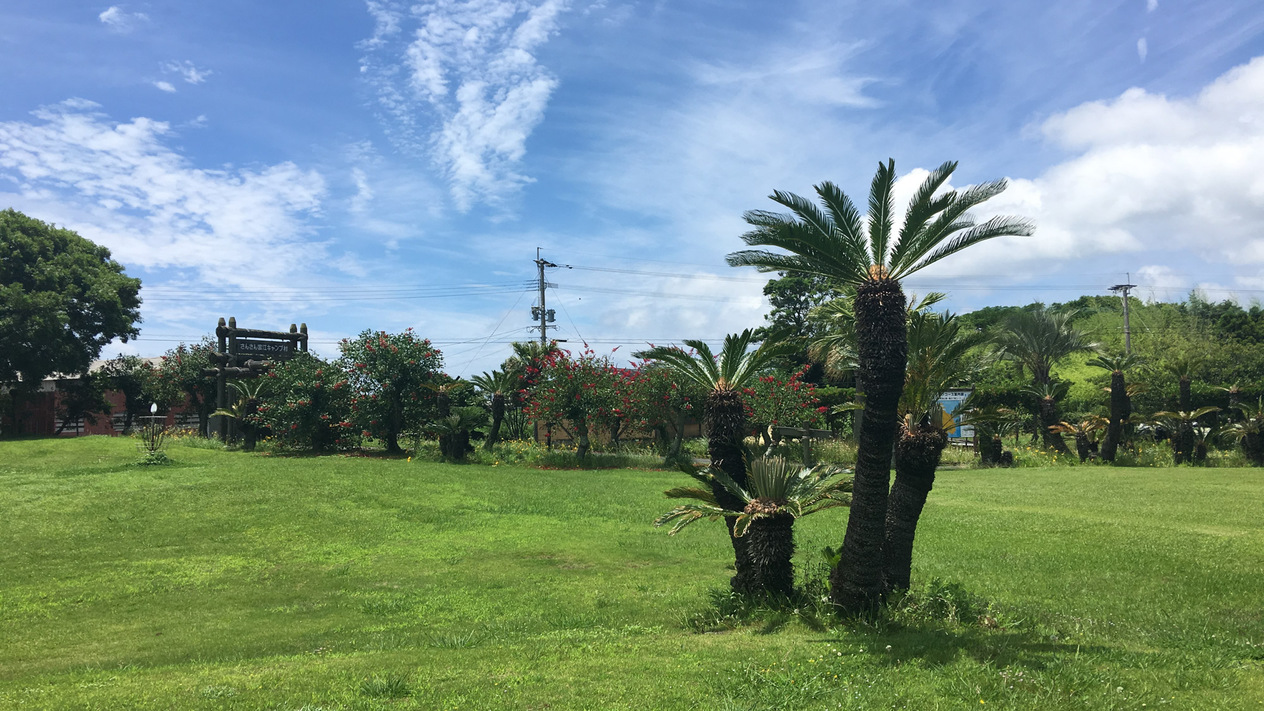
776	494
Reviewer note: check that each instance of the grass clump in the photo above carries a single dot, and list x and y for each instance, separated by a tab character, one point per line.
391	686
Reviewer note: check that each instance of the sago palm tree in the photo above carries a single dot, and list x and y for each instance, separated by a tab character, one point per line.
248	396
1120	406
495	386
1249	432
1183	366
723	377
1039	339
775	494
1047	396
1181	424
835	241
940	354
1082	430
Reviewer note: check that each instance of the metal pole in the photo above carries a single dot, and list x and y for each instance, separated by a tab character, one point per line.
544	314
1124	288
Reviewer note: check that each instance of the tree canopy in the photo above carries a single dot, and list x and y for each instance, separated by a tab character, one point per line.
62	299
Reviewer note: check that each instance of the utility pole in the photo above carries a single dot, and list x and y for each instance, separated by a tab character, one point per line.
1125	288
541	313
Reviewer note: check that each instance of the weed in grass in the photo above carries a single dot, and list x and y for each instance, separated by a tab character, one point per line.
156	457
456	639
217	692
391	686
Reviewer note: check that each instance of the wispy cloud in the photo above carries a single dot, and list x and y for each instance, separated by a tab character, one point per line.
1143	48
122	185
165	86
119	20
187	71
463	86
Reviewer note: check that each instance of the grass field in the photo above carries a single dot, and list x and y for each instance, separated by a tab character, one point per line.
236	581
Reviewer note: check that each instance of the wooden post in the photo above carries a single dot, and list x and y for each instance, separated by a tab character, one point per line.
221	381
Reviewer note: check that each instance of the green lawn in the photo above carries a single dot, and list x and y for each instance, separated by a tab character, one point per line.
237	581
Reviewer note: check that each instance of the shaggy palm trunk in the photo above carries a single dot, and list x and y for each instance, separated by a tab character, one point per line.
1253	448
770	548
917	454
1118	406
1183	438
251	430
1049	417
882	350
443	406
498	416
726	426
990	446
1082	448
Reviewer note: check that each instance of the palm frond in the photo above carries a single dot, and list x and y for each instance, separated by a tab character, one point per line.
691	492
880	210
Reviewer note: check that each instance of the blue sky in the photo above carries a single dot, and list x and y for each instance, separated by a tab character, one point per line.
383	165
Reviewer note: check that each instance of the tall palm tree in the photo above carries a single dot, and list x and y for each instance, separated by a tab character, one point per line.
866	252
495	385
1039	339
939	356
722	377
1183	367
1119	402
777	492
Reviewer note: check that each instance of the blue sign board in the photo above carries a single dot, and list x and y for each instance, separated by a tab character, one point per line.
950	402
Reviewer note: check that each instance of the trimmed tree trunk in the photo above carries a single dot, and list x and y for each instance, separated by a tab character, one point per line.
1082	447
917	456
726	426
443	406
882	350
498	416
1253	447
1049	417
770	548
250	431
1118	408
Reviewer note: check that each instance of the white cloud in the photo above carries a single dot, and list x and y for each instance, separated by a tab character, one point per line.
187	71
464	88
1152	176
119	20
123	186
1152	5
1143	48
1158	282
165	86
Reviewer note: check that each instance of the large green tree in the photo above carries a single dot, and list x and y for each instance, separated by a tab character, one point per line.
391	376
62	299
835	241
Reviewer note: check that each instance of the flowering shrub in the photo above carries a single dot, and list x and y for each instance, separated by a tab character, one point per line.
780	401
660	404
388	376
576	394
306	404
182	373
